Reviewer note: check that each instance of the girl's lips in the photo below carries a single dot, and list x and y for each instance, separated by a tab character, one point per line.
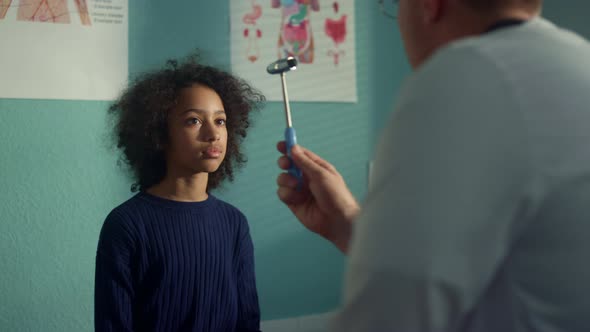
212	153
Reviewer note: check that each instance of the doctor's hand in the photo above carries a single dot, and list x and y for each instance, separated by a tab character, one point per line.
323	203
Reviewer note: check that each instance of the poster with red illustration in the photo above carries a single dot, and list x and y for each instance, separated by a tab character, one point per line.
318	33
63	49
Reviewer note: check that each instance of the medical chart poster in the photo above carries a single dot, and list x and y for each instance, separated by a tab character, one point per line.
320	34
63	49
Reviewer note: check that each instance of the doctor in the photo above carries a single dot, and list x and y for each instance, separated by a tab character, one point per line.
479	218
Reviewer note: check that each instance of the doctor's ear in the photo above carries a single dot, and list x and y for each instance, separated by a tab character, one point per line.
432	10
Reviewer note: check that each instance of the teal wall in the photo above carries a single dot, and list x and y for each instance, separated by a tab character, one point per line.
388	70
59	179
571	14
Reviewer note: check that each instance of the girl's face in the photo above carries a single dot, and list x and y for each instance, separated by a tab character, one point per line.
197	132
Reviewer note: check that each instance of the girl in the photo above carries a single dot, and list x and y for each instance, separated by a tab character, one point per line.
174	257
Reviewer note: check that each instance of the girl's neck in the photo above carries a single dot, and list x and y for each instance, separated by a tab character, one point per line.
182	189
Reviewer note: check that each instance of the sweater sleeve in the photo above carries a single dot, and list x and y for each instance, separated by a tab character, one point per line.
114	291
249	310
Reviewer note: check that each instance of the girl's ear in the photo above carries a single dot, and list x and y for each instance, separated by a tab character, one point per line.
161	143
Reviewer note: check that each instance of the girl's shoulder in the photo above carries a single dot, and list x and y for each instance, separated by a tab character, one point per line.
235	217
128	208
227	207
120	226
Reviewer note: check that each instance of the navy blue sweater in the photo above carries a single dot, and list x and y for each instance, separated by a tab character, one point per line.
164	265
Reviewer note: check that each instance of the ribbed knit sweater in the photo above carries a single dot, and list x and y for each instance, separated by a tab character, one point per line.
164	265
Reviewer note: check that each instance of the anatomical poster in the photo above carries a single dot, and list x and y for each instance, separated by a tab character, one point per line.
319	34
63	49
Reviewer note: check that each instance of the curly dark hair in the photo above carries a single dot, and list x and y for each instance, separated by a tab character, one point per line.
140	118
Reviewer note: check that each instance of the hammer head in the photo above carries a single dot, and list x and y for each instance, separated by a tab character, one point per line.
282	65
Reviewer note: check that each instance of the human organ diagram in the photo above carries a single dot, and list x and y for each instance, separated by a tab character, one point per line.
52	11
252	31
4	5
335	29
319	34
295	34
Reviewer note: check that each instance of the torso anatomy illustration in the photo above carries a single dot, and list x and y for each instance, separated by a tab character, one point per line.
335	29
295	37
53	11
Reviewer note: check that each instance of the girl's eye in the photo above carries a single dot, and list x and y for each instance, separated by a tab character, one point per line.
193	121
221	122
